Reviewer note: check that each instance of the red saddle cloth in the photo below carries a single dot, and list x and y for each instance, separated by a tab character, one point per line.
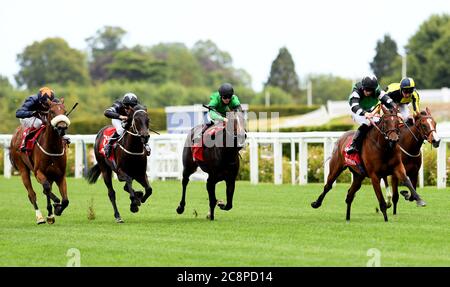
31	142
197	148
353	160
107	134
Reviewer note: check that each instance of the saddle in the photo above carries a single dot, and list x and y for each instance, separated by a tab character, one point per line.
198	147
107	134
353	160
30	139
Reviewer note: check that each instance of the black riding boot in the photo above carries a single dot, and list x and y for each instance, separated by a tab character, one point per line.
109	145
358	137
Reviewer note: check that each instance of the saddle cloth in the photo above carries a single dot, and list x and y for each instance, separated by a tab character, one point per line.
31	142
107	134
198	147
353	160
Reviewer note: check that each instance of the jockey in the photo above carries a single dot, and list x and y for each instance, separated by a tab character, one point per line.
118	113
223	101
28	113
363	100
402	94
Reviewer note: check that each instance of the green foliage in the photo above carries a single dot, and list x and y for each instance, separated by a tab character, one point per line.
136	66
387	61
427	50
283	74
329	87
277	96
284	110
51	61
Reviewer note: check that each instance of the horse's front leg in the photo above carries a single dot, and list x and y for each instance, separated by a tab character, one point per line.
211	187
231	182
62	186
135	202
143	180
379	193
404	179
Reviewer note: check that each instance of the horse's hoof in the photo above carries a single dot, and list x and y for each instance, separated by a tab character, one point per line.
421	203
57	209
388	204
405	194
40	221
134	208
180	210
209	217
51	219
221	204
315	204
119	220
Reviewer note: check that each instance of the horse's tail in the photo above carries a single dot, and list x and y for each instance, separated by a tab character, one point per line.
93	174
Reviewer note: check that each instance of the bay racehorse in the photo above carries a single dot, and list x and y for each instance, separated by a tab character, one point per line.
410	144
47	159
380	157
221	145
128	159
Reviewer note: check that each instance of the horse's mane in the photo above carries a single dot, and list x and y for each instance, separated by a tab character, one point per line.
139	107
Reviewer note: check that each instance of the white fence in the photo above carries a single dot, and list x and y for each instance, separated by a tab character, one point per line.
166	161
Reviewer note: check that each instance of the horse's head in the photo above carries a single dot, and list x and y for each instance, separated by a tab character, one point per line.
236	127
389	125
426	125
138	122
56	116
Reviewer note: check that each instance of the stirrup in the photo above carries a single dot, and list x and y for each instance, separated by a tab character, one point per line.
148	150
351	150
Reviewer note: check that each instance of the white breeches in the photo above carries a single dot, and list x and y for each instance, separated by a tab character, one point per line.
31	122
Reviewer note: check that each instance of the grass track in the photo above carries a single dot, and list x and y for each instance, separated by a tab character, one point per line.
268	226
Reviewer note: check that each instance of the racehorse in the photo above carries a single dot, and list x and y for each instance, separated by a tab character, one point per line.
221	145
380	157
128	159
411	140
47	159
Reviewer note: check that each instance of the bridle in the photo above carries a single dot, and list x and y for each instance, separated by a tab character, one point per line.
382	123
134	132
53	123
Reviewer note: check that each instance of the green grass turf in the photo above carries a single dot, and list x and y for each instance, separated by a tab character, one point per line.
268	226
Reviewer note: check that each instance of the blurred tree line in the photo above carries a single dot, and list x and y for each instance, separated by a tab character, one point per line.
168	74
427	55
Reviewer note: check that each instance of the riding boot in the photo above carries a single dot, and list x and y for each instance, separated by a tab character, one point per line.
23	145
66	140
109	145
148	150
358	137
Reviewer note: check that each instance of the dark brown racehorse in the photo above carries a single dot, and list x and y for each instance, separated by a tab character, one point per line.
130	160
47	160
411	140
381	157
221	160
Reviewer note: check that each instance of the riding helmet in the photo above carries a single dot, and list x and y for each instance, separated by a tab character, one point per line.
407	83
130	99
369	82
226	90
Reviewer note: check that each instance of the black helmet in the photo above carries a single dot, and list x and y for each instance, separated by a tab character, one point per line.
226	90
369	83
130	99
